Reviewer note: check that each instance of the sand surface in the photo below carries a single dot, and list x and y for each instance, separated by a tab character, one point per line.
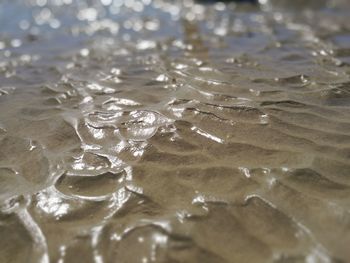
174	131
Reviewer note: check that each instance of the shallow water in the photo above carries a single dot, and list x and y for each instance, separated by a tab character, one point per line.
174	131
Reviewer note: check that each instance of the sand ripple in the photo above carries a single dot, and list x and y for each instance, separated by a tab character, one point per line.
156	131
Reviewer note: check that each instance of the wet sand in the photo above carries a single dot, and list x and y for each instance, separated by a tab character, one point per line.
174	131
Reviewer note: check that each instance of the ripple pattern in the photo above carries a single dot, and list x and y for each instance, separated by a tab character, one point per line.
174	131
